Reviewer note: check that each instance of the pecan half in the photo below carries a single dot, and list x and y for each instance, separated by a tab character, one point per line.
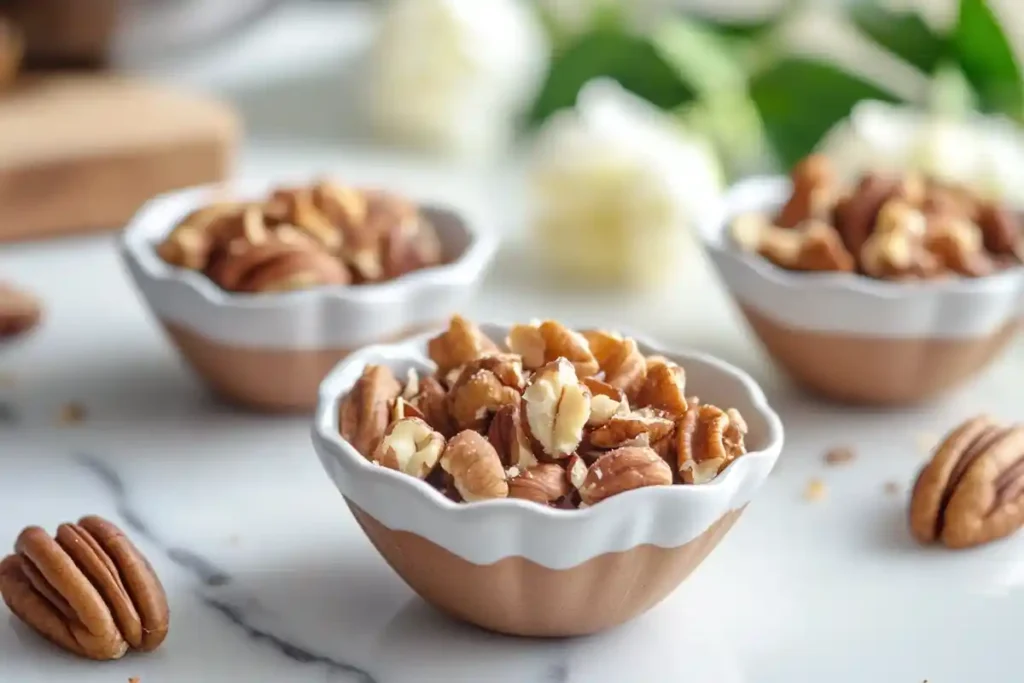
483	386
88	590
545	483
972	490
540	344
411	447
620	360
813	180
708	439
509	439
557	407
664	388
855	215
641	427
624	469
461	343
605	401
364	413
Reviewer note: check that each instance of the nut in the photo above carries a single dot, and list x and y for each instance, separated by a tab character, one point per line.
620	360
557	407
896	249
708	440
20	312
275	265
575	471
401	408
640	428
410	446
540	344
432	402
460	344
972	490
814	246
957	245
297	207
664	388
624	469
88	590
475	467
856	214
12	49
484	385
545	483
605	401
509	439
412	385
363	415
813	181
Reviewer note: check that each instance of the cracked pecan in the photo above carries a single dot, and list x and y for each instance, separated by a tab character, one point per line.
664	387
461	343
410	446
474	466
88	590
624	469
972	490
542	343
639	428
545	483
483	386
708	439
620	361
365	412
556	406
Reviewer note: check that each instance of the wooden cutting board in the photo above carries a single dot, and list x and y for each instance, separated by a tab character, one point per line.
82	152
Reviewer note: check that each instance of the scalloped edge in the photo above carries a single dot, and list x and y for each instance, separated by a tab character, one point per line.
379	491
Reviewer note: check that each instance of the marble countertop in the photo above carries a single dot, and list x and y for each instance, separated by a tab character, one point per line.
270	579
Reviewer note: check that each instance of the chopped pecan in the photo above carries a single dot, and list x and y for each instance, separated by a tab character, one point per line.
639	428
483	386
972	490
88	590
621	470
475	467
708	439
364	414
557	407
461	343
605	401
410	446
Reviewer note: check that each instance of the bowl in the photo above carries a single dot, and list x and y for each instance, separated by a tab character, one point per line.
270	351
519	568
856	339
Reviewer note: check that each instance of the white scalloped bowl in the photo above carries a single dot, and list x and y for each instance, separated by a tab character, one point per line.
520	568
856	339
270	351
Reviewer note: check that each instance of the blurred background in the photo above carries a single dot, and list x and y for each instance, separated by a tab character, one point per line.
619	116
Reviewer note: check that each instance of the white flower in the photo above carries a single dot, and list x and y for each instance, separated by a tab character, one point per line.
984	153
453	75
615	182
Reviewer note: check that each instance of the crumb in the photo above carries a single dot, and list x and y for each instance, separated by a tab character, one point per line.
815	490
71	413
925	442
839	455
891	488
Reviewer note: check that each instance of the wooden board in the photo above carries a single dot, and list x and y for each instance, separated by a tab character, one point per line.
82	152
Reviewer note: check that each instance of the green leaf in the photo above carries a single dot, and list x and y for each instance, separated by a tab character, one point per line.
800	100
631	60
905	34
986	59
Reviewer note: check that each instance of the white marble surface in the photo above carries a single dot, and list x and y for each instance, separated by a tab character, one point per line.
270	579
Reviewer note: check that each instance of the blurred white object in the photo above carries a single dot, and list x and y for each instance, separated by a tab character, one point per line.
985	153
454	75
616	184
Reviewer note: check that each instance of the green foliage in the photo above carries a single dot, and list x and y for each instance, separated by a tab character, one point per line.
800	100
983	53
631	60
905	34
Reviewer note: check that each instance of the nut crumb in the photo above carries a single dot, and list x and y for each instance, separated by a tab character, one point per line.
815	490
72	413
840	455
891	488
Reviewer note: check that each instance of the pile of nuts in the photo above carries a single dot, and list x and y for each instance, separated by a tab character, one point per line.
908	228
559	417
972	490
299	238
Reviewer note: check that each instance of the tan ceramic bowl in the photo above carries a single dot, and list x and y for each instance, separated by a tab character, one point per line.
856	339
270	351
519	568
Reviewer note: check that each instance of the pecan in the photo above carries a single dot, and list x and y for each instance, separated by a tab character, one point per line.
432	402
621	470
813	180
814	246
897	247
957	245
605	401
401	408
509	439
364	414
642	427
708	439
972	490
620	360
540	344
575	471
483	386
1001	229
20	312
664	388
12	49
88	590
557	407
545	483
275	265
855	214
410	446
475	467
297	207
461	343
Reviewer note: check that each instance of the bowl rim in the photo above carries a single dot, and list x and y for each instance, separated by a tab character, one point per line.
770	190
161	213
330	443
